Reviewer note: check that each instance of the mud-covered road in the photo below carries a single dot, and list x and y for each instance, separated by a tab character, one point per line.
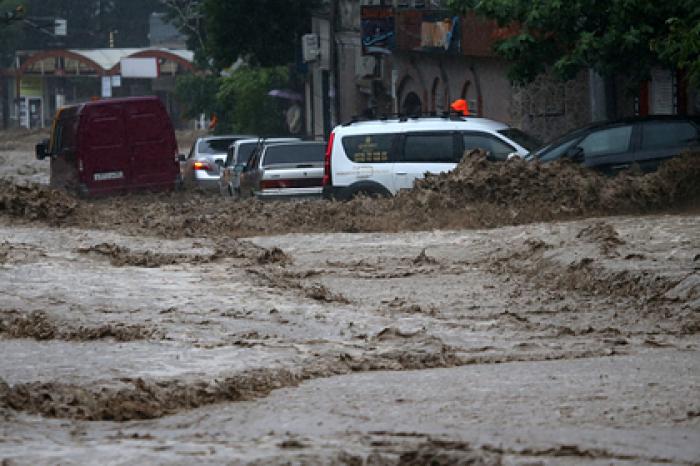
149	335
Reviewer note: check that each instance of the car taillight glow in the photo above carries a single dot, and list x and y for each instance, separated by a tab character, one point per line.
327	181
201	166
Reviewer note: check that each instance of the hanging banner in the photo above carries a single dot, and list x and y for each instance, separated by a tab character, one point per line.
378	36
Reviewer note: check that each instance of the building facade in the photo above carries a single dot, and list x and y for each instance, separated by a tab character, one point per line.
415	56
43	81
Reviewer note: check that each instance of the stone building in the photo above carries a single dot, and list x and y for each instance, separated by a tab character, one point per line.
408	56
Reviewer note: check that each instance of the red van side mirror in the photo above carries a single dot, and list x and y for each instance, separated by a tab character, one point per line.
41	149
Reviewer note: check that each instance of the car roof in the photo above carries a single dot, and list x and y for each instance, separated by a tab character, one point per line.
296	143
246	141
619	121
225	136
397	125
636	119
265	140
118	101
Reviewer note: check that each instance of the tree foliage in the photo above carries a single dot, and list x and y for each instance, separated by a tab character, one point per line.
198	94
11	33
614	37
265	32
681	47
246	107
240	100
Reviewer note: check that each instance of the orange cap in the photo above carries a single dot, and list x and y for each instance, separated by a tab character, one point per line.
460	106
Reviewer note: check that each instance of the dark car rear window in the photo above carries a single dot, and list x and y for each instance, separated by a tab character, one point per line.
667	134
307	153
523	139
244	152
214	146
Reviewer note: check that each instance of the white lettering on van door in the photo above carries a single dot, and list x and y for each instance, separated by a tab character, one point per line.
108	176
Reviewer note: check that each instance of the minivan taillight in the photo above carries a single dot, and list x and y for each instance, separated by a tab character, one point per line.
327	180
202	166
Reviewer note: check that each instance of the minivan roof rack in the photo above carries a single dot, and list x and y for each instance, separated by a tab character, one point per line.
402	117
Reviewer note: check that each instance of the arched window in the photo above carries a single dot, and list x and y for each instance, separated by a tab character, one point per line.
412	105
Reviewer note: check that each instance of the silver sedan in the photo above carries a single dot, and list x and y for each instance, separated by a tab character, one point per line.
202	166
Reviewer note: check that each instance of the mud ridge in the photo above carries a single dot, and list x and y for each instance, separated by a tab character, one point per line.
35	202
439	452
39	326
570	451
122	256
281	279
133	399
478	193
587	274
604	234
388	449
19	253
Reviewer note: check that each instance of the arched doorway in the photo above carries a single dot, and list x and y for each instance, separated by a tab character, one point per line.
412	105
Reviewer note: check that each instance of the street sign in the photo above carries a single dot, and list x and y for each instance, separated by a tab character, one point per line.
60	27
310	47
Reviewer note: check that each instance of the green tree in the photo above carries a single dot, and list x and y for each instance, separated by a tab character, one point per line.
11	31
240	100
245	105
681	47
265	32
613	37
198	94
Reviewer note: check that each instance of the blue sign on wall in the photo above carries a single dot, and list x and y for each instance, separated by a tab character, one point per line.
378	36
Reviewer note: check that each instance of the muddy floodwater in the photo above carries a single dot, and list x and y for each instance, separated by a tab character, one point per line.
134	336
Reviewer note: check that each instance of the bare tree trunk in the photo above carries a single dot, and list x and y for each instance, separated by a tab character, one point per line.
187	17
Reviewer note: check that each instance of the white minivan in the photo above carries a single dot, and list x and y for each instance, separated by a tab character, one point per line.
381	157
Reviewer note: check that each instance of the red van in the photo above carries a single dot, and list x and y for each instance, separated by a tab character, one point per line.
112	146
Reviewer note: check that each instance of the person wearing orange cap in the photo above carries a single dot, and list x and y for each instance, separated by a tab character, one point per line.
213	120
460	106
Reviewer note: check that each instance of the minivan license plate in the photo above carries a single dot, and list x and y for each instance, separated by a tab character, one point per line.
108	176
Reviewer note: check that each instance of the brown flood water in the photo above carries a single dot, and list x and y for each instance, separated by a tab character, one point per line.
476	320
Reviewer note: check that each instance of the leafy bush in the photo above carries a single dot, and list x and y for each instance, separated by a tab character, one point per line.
198	94
246	107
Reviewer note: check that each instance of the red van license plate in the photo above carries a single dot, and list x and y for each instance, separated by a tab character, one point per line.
108	176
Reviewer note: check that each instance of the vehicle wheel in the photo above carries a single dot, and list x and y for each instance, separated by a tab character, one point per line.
369	192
